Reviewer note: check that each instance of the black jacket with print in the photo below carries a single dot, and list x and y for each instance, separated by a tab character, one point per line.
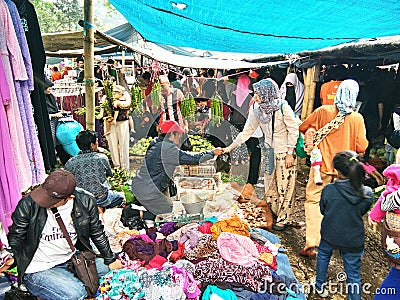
29	220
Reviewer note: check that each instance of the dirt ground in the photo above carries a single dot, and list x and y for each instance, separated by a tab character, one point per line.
374	267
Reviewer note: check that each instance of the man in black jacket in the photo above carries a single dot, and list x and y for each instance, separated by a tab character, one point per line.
39	247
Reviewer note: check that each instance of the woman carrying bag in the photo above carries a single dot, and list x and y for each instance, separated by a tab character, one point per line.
277	120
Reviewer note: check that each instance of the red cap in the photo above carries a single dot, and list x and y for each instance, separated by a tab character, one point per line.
171	126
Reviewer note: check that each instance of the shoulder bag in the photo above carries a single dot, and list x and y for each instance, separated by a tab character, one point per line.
267	153
83	262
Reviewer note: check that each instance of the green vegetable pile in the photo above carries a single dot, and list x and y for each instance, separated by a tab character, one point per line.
199	144
120	182
140	147
216	110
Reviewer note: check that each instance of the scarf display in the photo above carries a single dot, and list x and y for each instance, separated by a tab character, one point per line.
270	97
242	90
346	96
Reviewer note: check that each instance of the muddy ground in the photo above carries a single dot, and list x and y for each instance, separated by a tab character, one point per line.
374	267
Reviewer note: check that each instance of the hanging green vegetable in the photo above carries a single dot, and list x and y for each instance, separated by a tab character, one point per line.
188	107
216	110
109	92
137	100
155	94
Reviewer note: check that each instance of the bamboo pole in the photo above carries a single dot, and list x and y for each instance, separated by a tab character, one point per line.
306	94
314	71
88	52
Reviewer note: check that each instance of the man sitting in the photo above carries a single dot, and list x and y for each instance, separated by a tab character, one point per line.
91	168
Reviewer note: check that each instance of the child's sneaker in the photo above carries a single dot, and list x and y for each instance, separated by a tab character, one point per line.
323	292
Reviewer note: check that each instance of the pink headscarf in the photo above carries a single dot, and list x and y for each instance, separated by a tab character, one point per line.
242	90
393	174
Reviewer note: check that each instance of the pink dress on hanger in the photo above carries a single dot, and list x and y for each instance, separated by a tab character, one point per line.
9	189
13	63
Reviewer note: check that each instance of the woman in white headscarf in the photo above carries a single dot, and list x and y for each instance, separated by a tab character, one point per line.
348	133
281	130
292	90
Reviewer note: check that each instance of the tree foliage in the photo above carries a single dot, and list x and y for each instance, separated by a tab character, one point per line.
58	15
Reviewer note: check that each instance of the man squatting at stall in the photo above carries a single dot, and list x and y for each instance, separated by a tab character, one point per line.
151	184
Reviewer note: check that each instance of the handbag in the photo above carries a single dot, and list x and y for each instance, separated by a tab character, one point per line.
392	135
267	153
15	293
133	218
83	262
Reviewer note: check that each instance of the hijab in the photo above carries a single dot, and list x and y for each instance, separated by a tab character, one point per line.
270	97
346	96
298	90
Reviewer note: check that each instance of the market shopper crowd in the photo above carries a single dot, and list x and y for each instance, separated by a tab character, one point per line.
270	120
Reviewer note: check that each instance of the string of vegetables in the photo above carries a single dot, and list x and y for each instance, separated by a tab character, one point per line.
216	110
155	94
109	92
188	107
137	100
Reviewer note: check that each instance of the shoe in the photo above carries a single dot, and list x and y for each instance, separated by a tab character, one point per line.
310	252
279	227
323	293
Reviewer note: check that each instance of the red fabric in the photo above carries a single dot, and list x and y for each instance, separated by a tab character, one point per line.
148	89
205	228
156	262
178	254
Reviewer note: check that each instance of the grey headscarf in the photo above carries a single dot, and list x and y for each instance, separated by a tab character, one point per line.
270	97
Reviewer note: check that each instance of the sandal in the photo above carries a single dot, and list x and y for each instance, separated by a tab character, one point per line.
310	252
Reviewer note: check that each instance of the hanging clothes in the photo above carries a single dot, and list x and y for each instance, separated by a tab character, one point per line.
33	35
22	88
13	63
9	188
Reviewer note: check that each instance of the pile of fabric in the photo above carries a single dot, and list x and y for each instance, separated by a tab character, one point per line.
200	260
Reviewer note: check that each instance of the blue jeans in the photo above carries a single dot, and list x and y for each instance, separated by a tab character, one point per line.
351	262
110	200
58	283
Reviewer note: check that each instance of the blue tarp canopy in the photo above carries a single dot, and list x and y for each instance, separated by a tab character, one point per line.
267	27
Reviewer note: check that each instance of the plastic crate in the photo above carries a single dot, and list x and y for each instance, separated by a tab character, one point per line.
204	187
199	171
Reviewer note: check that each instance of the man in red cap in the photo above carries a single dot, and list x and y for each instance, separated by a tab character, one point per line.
37	243
151	184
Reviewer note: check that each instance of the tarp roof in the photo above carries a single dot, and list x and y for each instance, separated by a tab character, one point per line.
70	44
255	26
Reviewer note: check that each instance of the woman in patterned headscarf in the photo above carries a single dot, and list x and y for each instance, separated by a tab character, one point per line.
348	133
280	127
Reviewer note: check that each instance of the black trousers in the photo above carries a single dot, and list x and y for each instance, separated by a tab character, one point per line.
255	159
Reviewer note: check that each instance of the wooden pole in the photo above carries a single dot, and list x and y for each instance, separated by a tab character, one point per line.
88	52
306	94
313	85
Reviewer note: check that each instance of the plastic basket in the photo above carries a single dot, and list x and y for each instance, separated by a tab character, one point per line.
203	188
200	171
